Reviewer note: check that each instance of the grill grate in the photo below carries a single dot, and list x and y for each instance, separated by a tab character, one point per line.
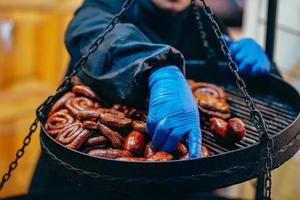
276	113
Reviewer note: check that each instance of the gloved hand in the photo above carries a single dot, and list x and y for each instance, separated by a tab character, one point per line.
173	112
249	56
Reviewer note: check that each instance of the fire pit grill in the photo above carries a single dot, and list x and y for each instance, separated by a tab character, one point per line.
280	106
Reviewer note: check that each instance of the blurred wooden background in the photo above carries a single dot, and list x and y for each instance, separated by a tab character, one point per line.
33	59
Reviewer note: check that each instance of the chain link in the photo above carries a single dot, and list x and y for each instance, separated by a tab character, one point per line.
210	53
255	115
43	109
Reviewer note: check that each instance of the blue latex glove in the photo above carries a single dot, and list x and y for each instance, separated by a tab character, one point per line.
173	112
249	56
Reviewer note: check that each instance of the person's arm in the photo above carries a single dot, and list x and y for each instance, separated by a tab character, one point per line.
119	69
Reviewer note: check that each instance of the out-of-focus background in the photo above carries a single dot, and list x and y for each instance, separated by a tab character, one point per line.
33	60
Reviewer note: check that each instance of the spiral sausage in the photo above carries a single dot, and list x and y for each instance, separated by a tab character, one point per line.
73	136
79	104
207	89
58	121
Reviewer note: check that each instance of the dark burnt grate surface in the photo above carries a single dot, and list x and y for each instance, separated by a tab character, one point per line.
277	114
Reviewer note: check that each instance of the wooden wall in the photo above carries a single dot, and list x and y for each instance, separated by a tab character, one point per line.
33	60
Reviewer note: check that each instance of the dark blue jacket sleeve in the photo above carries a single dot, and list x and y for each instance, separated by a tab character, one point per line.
119	69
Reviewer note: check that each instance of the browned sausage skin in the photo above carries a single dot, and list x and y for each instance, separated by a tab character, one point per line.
236	130
115	138
218	127
109	153
135	143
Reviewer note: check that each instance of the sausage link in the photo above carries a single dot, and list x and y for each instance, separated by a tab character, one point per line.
79	104
88	115
236	130
160	156
180	150
91	125
132	159
60	103
135	142
86	91
98	140
114	120
114	137
148	150
76	81
139	126
57	121
109	153
218	127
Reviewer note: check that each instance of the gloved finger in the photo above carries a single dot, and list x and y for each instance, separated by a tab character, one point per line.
246	65
173	138
259	69
240	56
160	134
227	39
234	48
150	126
194	140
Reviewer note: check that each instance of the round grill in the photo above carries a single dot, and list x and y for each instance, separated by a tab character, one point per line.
280	105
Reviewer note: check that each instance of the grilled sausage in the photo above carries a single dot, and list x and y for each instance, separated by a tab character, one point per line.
85	91
236	130
58	121
73	136
132	158
160	156
180	150
135	143
218	127
79	104
109	153
204	153
97	140
115	138
88	115
91	125
60	103
139	126
113	120
148	151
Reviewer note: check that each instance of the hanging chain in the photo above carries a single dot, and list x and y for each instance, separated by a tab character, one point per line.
210	54
43	109
255	115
